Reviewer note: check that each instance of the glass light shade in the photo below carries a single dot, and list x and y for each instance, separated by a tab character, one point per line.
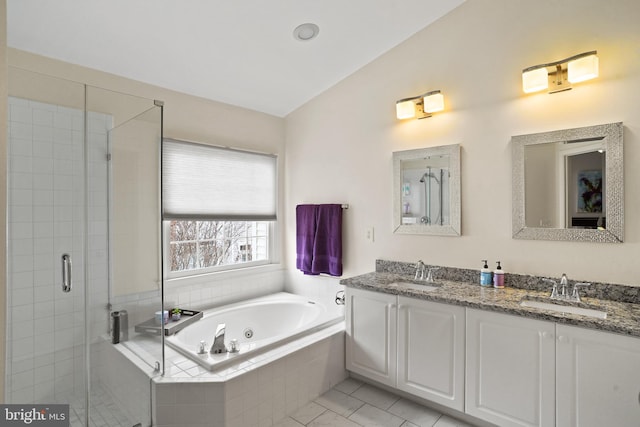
582	69
535	80
433	103
405	110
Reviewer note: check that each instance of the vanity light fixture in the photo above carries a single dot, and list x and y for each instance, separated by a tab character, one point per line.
559	75
420	107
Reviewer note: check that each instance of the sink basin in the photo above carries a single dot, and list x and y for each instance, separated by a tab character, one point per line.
562	308
416	286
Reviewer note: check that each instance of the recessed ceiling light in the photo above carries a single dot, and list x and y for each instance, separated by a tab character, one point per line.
306	32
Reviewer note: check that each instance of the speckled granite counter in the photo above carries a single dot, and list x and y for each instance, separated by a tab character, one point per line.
622	317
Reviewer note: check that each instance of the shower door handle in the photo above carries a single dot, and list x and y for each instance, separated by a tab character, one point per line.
66	273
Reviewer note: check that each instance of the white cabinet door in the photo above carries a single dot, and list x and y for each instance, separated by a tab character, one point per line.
371	335
431	351
510	367
598	378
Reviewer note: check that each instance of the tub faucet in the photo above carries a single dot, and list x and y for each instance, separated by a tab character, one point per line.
218	346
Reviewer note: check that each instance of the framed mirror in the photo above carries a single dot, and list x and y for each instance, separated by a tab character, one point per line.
426	191
569	184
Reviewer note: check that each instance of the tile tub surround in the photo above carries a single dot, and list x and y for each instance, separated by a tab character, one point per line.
622	317
251	394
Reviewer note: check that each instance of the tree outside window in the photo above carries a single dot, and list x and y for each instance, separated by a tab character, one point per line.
205	244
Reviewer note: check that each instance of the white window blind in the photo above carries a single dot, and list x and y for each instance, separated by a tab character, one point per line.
205	182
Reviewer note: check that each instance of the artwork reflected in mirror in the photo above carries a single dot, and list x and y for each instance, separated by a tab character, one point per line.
564	184
568	184
427	191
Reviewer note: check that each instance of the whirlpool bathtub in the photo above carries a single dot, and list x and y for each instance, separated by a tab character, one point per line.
257	325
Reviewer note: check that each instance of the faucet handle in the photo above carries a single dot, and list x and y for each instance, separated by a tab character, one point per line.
202	350
430	274
554	289
575	295
419	271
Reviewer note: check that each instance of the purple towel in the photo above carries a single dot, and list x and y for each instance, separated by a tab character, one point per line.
305	233
319	239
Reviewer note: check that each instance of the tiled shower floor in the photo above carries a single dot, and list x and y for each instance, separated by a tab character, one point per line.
353	403
104	412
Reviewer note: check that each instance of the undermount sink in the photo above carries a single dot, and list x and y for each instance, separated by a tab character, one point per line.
563	308
427	286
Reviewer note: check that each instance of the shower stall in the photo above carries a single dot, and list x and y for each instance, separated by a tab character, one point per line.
426	194
83	241
433	208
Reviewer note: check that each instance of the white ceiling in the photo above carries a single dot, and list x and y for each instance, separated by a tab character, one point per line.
240	52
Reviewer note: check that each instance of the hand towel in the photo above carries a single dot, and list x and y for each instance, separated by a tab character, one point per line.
305	234
327	244
319	239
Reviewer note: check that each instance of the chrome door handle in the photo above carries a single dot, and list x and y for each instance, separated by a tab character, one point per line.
66	273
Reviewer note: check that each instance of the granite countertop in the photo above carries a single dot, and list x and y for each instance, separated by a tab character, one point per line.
622	317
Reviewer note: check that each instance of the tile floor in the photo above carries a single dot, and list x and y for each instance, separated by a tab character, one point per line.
353	403
104	412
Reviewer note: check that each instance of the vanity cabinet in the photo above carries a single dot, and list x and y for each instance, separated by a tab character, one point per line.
598	378
371	319
431	351
525	372
410	344
510	369
505	369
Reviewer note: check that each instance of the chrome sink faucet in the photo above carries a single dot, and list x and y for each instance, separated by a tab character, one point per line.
563	294
421	268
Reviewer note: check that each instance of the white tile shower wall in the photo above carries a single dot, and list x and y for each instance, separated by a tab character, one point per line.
125	382
201	292
46	208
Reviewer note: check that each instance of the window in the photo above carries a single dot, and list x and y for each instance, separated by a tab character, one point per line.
219	207
197	245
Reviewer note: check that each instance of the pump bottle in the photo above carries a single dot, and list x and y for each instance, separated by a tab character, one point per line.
498	277
485	274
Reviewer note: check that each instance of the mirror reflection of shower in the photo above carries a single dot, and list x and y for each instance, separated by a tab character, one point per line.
425	194
427	218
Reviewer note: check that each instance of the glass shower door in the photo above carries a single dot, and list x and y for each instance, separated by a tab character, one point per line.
46	359
130	180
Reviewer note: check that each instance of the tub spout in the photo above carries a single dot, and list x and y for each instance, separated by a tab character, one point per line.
218	346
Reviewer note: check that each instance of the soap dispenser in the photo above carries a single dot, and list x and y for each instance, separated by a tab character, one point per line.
498	277
485	274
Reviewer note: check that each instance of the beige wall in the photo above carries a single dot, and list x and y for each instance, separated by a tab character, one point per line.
339	145
185	116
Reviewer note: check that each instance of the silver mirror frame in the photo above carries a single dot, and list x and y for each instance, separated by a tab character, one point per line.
453	229
612	136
